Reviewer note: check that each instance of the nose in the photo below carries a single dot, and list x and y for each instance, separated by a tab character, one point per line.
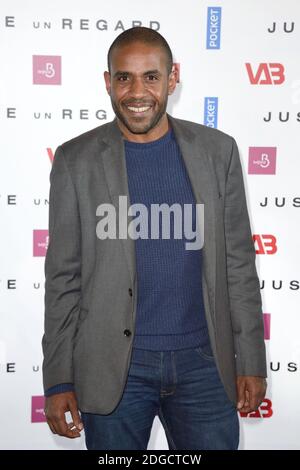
137	87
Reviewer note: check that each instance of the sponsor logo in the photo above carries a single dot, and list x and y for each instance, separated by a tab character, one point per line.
46	70
280	202
266	244
262	161
40	242
83	24
287	28
264	411
283	116
213	33
266	74
279	284
7	367
37	409
211	112
286	367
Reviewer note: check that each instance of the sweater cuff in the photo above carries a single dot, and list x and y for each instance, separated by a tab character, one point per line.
60	388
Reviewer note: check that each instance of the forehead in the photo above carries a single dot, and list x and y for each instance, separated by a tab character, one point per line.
137	57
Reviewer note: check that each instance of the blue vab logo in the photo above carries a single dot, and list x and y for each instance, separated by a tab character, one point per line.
211	112
213	35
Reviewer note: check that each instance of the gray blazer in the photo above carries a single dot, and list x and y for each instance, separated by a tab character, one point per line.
91	284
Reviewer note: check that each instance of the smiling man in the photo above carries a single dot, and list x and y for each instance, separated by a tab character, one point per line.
141	328
139	80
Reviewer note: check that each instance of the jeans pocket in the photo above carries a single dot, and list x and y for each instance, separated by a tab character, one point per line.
205	352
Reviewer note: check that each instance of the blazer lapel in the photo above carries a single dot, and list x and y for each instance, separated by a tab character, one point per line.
205	191
113	157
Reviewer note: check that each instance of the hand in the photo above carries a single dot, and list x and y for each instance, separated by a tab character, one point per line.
251	391
55	407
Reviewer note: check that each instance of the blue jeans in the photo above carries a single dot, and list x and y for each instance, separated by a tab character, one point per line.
184	389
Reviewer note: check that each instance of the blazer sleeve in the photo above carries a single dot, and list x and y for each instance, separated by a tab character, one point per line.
243	283
62	276
59	388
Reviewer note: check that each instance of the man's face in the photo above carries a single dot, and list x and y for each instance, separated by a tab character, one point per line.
139	85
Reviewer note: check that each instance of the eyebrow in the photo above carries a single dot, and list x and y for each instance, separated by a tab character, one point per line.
149	72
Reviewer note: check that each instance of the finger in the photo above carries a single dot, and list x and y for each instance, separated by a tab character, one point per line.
246	409
75	415
62	428
72	426
72	433
256	397
255	401
60	425
240	394
246	406
247	398
258	400
51	426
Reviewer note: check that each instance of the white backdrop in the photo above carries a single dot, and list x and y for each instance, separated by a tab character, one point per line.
36	117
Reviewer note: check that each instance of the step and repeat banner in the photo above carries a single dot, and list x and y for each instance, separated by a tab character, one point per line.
238	64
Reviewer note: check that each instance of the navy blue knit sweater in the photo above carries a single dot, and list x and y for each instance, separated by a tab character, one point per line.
170	311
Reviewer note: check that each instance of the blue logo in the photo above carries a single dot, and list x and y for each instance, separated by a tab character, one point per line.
211	112
213	35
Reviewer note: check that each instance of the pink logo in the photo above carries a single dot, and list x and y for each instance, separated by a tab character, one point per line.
40	242
46	69
267	325
37	410
262	161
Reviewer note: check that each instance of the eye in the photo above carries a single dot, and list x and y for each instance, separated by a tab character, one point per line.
122	78
152	78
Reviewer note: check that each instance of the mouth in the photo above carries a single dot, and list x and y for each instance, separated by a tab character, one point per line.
138	110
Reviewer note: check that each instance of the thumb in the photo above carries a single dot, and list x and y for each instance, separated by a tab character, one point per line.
75	415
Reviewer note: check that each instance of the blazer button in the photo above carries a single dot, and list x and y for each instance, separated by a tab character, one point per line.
127	332
130	291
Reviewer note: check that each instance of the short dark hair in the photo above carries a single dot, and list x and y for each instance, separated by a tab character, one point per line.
146	36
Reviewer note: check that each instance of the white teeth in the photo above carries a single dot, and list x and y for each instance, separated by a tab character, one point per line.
139	110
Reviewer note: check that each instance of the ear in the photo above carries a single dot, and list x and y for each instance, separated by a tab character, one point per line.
172	80
107	81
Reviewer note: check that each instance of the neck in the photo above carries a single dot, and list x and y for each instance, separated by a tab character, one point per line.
153	134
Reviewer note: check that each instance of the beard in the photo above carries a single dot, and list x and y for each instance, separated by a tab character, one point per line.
136	124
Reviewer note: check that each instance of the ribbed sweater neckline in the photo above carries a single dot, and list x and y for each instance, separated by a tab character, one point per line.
163	140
